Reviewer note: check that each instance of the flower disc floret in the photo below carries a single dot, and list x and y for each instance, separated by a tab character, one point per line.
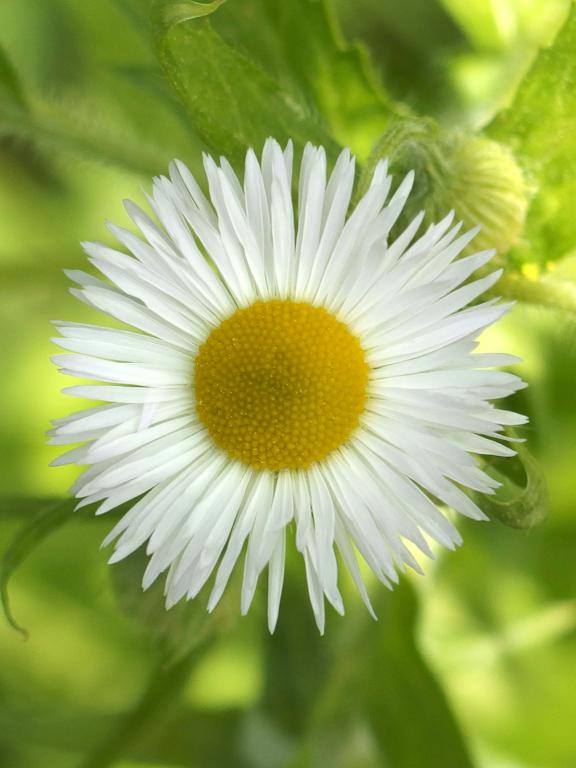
280	384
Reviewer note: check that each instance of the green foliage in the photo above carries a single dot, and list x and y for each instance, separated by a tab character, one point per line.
498	631
255	70
370	678
374	678
166	14
161	696
300	43
297	664
522	501
42	517
232	102
552	292
10	90
405	690
49	517
53	128
540	127
409	43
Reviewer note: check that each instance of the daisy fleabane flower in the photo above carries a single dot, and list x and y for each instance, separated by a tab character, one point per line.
292	369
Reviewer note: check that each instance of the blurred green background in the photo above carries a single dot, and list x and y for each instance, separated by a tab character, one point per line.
472	665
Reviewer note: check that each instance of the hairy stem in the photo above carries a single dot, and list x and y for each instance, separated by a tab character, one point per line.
55	131
544	292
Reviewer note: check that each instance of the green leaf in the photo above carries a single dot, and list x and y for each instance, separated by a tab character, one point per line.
47	517
177	631
42	517
161	735
299	43
149	80
540	127
409	42
363	695
165	15
377	703
404	703
522	500
232	102
10	90
19	149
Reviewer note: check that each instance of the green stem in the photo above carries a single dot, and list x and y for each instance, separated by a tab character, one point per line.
336	698
158	701
23	507
545	292
56	131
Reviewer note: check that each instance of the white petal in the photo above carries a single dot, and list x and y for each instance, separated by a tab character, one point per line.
276	580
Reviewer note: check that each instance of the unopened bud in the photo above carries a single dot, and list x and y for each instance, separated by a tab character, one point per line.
477	177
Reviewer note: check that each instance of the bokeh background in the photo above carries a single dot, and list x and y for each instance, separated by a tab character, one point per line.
473	664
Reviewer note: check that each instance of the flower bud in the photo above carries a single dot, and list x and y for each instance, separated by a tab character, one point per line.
477	177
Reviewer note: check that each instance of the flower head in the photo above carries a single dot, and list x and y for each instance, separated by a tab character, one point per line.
289	369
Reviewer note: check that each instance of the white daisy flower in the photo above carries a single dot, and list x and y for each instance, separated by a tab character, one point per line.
290	370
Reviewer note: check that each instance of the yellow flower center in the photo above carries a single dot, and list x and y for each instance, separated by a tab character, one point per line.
280	384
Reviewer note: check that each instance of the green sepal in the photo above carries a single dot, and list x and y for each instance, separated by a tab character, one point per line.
475	176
